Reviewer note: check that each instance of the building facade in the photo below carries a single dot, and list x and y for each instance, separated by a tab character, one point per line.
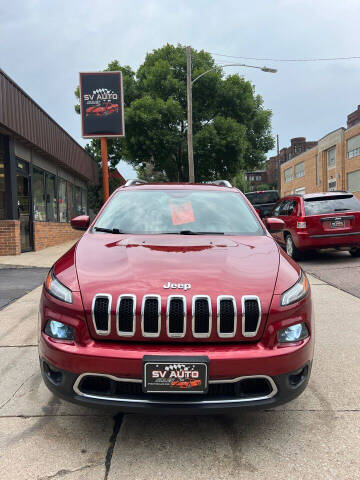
333	164
44	175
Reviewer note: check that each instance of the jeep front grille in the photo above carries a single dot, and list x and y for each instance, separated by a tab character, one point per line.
235	318
176	316
202	318
226	316
251	315
126	315
101	313
151	316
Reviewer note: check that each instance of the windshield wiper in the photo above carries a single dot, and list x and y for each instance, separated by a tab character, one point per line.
108	230
341	209
190	232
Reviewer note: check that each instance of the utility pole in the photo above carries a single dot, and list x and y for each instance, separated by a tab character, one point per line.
189	116
105	168
277	144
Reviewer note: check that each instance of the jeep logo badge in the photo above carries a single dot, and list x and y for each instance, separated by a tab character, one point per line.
182	286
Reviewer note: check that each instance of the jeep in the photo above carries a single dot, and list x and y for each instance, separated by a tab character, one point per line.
176	282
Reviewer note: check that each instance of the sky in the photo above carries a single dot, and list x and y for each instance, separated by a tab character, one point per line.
44	44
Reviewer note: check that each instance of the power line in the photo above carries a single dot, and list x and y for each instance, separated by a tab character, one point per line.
288	59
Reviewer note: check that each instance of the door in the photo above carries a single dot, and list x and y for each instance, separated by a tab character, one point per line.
24	206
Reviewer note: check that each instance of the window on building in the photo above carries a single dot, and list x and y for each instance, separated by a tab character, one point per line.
332	185
353	179
62	198
51	201
2	190
77	201
331	157
353	146
288	174
300	170
84	201
39	204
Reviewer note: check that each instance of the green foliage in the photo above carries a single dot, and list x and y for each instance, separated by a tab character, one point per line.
240	182
231	129
263	186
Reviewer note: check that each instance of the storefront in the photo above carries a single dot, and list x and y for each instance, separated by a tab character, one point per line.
44	175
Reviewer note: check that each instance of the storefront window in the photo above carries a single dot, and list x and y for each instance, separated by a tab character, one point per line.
84	202
51	203
2	189
62	196
39	195
77	202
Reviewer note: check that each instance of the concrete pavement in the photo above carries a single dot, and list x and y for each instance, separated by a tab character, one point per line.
317	436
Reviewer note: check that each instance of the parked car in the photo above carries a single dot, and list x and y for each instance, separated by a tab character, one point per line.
102	110
171	279
317	221
263	201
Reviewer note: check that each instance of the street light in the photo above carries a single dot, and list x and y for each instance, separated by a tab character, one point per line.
189	84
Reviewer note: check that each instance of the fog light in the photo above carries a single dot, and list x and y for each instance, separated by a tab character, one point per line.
59	330
295	333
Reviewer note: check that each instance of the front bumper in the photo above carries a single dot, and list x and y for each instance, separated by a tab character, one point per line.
67	385
123	362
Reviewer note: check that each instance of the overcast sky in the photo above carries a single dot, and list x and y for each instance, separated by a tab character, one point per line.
44	44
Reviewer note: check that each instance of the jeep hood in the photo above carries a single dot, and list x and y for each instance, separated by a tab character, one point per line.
143	264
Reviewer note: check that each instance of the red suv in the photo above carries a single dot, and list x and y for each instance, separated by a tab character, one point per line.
319	220
176	282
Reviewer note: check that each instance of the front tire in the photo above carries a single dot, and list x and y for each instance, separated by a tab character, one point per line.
291	249
355	252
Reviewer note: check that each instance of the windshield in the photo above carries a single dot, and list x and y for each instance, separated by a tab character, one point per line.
178	211
256	198
328	204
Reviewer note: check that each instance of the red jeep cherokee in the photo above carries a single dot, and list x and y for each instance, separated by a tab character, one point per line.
176	283
319	220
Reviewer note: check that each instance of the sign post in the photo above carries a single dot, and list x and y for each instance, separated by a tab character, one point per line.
102	112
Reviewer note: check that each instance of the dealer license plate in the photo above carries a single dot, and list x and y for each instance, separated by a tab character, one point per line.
175	374
337	224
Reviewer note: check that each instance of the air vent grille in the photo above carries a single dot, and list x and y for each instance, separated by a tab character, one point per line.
227	317
201	317
251	316
126	315
151	316
101	314
176	317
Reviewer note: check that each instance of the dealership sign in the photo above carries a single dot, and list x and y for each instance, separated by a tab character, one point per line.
102	104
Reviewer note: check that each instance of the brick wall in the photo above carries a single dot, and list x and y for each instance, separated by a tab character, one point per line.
47	234
10	237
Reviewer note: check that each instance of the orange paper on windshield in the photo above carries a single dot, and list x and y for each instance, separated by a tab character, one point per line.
182	213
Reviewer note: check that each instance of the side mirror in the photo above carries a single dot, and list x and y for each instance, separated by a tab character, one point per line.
80	223
274	224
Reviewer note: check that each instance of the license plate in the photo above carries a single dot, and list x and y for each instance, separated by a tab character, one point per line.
337	224
175	374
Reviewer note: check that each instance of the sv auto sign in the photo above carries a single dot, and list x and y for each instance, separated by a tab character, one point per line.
102	104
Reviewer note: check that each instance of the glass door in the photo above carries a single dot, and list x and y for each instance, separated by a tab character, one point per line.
24	205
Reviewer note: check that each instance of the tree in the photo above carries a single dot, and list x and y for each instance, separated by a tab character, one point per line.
240	182
230	126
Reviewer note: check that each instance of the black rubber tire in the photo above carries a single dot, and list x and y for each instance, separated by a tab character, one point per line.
355	252
291	249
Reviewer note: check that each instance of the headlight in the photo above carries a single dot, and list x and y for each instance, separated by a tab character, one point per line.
59	330
57	289
296	292
295	333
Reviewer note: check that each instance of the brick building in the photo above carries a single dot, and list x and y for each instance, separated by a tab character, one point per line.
332	164
256	178
44	175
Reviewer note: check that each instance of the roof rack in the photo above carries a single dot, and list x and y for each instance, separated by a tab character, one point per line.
222	183
134	181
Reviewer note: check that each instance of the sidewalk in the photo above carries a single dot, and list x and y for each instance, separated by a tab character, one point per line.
42	258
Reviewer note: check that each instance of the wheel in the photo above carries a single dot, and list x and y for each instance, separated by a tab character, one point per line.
291	249
355	252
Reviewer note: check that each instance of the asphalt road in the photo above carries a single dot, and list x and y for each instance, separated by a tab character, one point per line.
339	269
16	281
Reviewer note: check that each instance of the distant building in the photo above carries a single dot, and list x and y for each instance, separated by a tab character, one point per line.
256	178
333	163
